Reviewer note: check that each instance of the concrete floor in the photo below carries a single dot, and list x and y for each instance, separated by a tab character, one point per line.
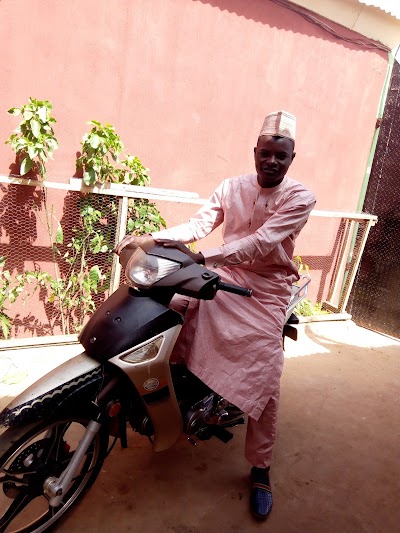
336	466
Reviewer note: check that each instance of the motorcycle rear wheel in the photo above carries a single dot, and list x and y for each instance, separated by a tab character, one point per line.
29	457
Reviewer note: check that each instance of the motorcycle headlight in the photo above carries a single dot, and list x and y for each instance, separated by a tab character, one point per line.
144	270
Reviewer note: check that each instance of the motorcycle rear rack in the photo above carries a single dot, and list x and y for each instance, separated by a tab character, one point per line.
299	292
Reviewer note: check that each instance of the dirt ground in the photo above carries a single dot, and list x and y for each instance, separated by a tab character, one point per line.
336	466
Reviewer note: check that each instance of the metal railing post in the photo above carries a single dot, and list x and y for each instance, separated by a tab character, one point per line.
119	235
352	274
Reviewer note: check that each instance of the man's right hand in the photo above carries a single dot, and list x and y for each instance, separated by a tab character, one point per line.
130	243
169	243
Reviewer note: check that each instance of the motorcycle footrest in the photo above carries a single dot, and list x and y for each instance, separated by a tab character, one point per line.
214	431
233	423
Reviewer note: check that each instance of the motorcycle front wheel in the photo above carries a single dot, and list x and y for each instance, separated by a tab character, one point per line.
29	458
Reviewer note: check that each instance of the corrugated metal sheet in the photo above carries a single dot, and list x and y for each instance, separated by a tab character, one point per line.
390	6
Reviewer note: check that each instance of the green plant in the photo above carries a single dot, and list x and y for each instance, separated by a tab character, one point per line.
71	290
143	217
307	308
6	294
302	268
81	267
10	289
77	281
101	161
101	148
33	141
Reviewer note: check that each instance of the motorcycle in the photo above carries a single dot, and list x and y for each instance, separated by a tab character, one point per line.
61	429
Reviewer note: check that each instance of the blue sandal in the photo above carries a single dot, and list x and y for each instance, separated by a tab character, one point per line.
261	494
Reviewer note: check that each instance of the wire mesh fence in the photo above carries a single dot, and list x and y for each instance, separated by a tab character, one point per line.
58	265
375	301
337	242
56	247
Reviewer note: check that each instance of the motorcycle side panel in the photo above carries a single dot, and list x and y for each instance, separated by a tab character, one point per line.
153	381
124	320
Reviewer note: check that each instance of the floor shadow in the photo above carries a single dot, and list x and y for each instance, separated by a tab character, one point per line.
327	341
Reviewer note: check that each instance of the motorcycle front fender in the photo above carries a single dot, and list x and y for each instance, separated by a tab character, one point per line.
50	391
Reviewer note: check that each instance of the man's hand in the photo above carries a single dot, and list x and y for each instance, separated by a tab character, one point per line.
129	244
168	243
132	242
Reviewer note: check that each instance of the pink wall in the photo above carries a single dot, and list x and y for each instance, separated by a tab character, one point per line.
187	84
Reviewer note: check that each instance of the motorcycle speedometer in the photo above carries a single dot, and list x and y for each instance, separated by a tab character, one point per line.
144	270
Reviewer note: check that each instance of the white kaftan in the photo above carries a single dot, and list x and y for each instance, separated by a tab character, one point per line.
233	343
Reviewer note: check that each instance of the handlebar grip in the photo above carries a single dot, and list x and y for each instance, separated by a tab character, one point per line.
235	289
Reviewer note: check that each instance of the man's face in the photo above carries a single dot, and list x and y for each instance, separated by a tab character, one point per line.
273	156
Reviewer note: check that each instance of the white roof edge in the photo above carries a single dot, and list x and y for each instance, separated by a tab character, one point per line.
392	7
361	17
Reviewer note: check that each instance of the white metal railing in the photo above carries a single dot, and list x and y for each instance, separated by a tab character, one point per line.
110	189
344	276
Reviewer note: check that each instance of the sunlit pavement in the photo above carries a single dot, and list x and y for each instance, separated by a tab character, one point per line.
336	465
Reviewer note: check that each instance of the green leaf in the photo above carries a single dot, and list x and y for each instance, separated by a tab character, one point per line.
5	325
42	112
28	114
89	177
95	244
14	111
14	293
35	125
94	141
95	274
52	143
26	165
59	235
21	143
32	152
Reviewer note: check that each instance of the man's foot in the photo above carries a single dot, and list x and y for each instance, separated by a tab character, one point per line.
261	495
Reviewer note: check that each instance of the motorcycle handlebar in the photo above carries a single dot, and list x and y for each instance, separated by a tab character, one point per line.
235	289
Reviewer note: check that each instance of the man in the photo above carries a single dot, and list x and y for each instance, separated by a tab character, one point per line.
234	344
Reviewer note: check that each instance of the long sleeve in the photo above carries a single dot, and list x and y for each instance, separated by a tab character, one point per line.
288	221
207	218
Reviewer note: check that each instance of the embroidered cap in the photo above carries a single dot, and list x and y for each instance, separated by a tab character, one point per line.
280	124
